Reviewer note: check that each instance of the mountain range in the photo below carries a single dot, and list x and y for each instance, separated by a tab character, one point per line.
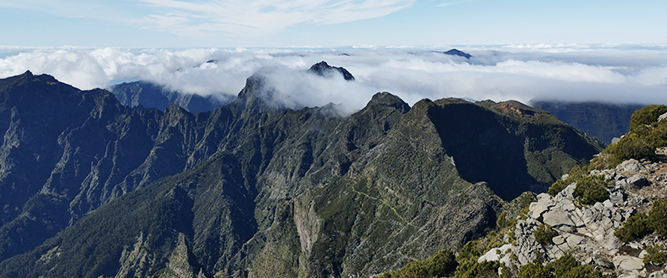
93	188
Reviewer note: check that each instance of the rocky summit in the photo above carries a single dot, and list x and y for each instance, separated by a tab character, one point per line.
92	188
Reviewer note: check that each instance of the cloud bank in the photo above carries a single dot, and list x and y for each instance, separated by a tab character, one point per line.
617	74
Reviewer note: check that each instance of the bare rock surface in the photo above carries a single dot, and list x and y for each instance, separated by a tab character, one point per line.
587	231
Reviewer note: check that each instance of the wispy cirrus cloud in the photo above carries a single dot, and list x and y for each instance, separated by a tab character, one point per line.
212	18
451	3
260	17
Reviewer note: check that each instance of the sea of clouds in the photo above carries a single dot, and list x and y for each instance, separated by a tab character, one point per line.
609	73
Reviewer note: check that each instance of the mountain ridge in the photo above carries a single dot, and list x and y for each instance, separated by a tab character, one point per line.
311	186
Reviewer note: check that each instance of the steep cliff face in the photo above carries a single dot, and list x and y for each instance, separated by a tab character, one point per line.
227	192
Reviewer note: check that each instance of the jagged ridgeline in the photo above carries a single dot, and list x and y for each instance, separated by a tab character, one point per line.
92	188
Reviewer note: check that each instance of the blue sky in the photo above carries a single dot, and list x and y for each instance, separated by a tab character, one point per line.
325	23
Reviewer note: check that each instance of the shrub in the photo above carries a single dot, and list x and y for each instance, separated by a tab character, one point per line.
563	265
441	264
472	269
631	146
635	227
657	217
544	234
533	270
591	189
576	172
557	187
655	255
568	267
502	220
646	116
469	250
582	271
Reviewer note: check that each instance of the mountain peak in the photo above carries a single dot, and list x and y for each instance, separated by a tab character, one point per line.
456	52
324	69
26	78
388	99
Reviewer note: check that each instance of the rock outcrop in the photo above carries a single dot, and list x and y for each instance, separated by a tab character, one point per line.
587	231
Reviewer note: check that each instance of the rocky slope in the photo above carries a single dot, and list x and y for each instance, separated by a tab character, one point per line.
587	232
92	188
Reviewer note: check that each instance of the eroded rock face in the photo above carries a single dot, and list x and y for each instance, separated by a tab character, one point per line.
586	231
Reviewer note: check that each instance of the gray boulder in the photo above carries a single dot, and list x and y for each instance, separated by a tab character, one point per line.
638	180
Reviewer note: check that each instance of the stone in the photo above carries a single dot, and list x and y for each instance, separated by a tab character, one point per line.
617	197
558	240
662	117
630	165
495	254
608	204
628	263
615	140
638	180
658	274
556	218
537	209
568	192
573	240
567	205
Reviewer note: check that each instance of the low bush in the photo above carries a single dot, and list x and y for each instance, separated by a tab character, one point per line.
646	116
655	255
565	267
473	269
575	173
591	189
544	234
533	270
635	227
442	264
657	217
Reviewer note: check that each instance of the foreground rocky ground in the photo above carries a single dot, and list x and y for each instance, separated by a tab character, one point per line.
587	231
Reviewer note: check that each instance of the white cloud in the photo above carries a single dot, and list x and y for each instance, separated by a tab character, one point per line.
611	75
261	17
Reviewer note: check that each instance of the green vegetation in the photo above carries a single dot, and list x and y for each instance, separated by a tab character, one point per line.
635	227
646	134
646	116
657	217
533	270
565	267
441	264
473	269
640	225
591	189
544	234
576	172
655	256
